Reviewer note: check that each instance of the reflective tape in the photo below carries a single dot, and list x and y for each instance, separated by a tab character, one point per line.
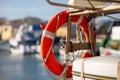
48	34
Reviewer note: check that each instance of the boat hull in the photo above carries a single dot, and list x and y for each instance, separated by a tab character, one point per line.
96	68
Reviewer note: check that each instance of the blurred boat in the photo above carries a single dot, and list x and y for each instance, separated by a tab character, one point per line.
111	43
26	40
5	32
5	35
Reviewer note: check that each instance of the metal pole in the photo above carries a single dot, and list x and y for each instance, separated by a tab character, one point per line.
91	12
115	1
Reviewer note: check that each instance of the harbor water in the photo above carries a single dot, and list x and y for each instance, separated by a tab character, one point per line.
19	67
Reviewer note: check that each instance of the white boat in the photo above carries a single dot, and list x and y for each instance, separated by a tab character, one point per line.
96	68
18	50
26	41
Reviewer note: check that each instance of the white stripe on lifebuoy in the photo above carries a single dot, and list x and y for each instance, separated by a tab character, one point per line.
48	34
80	20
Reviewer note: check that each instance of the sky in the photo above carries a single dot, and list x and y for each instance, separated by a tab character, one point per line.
16	9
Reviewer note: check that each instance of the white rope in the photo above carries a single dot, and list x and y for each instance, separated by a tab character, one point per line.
82	68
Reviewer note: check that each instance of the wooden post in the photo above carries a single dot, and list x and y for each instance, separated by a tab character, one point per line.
67	48
68	35
118	71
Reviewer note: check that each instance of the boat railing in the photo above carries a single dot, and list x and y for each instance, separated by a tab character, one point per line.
111	9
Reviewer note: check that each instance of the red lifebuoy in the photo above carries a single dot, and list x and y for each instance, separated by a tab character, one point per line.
47	39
